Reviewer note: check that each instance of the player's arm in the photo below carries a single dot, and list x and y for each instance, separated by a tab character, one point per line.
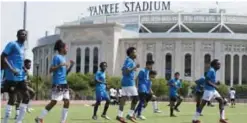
209	81
56	64
70	67
128	67
8	49
98	78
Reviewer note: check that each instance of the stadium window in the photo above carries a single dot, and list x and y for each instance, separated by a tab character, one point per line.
87	60
95	59
235	69
149	57
227	69
78	60
207	59
187	65
244	69
168	71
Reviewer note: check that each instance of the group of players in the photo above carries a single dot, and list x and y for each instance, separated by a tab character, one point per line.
139	89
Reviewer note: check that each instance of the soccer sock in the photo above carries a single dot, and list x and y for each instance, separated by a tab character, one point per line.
138	108
64	115
95	109
131	112
23	109
222	114
43	114
106	108
17	112
7	113
155	105
171	111
197	114
178	104
120	113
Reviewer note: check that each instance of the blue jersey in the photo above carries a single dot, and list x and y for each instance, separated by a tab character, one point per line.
100	78
128	78
200	84
211	76
15	55
144	83
173	89
59	75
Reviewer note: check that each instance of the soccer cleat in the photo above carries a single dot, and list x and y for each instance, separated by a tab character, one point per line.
176	109
196	121
29	110
223	121
94	117
133	119
157	111
105	117
141	117
120	119
38	120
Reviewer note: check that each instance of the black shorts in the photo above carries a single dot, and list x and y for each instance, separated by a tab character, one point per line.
199	94
113	97
13	86
232	100
173	98
145	96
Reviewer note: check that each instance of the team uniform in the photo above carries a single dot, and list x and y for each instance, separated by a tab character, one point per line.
173	91
200	87
101	92
60	88
128	82
144	86
209	91
232	95
14	83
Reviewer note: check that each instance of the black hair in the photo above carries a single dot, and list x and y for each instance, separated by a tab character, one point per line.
20	30
150	62
102	63
177	73
58	45
214	62
152	72
130	50
205	73
26	61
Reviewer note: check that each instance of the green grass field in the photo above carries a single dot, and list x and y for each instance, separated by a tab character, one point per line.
82	114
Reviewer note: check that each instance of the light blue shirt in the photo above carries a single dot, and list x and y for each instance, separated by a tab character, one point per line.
211	76
173	90
144	83
15	56
59	76
100	77
128	78
200	84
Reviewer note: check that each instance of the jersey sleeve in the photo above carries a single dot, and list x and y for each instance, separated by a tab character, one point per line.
210	76
128	64
98	77
141	75
8	49
55	61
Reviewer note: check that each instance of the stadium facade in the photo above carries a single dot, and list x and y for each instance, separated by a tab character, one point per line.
177	42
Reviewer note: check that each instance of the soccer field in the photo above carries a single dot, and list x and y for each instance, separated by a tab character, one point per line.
83	114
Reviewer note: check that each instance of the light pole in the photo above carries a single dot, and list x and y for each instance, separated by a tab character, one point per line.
37	83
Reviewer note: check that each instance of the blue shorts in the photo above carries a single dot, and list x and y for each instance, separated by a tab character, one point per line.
102	95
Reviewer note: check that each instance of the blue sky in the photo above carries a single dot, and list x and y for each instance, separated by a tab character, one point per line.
45	16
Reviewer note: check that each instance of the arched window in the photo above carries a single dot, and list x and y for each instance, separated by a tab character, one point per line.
47	66
78	60
235	70
207	59
95	59
228	69
168	71
187	65
87	60
149	57
244	69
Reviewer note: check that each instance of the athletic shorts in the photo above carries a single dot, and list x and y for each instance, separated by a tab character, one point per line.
232	100
14	86
129	91
102	95
208	95
199	94
145	96
60	92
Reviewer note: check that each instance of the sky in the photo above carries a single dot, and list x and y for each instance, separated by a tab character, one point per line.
45	16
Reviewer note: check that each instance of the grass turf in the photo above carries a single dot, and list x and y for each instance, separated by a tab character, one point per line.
83	114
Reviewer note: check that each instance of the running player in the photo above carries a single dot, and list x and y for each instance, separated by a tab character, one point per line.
210	92
175	86
128	85
199	90
27	66
145	89
232	97
13	58
101	92
60	88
